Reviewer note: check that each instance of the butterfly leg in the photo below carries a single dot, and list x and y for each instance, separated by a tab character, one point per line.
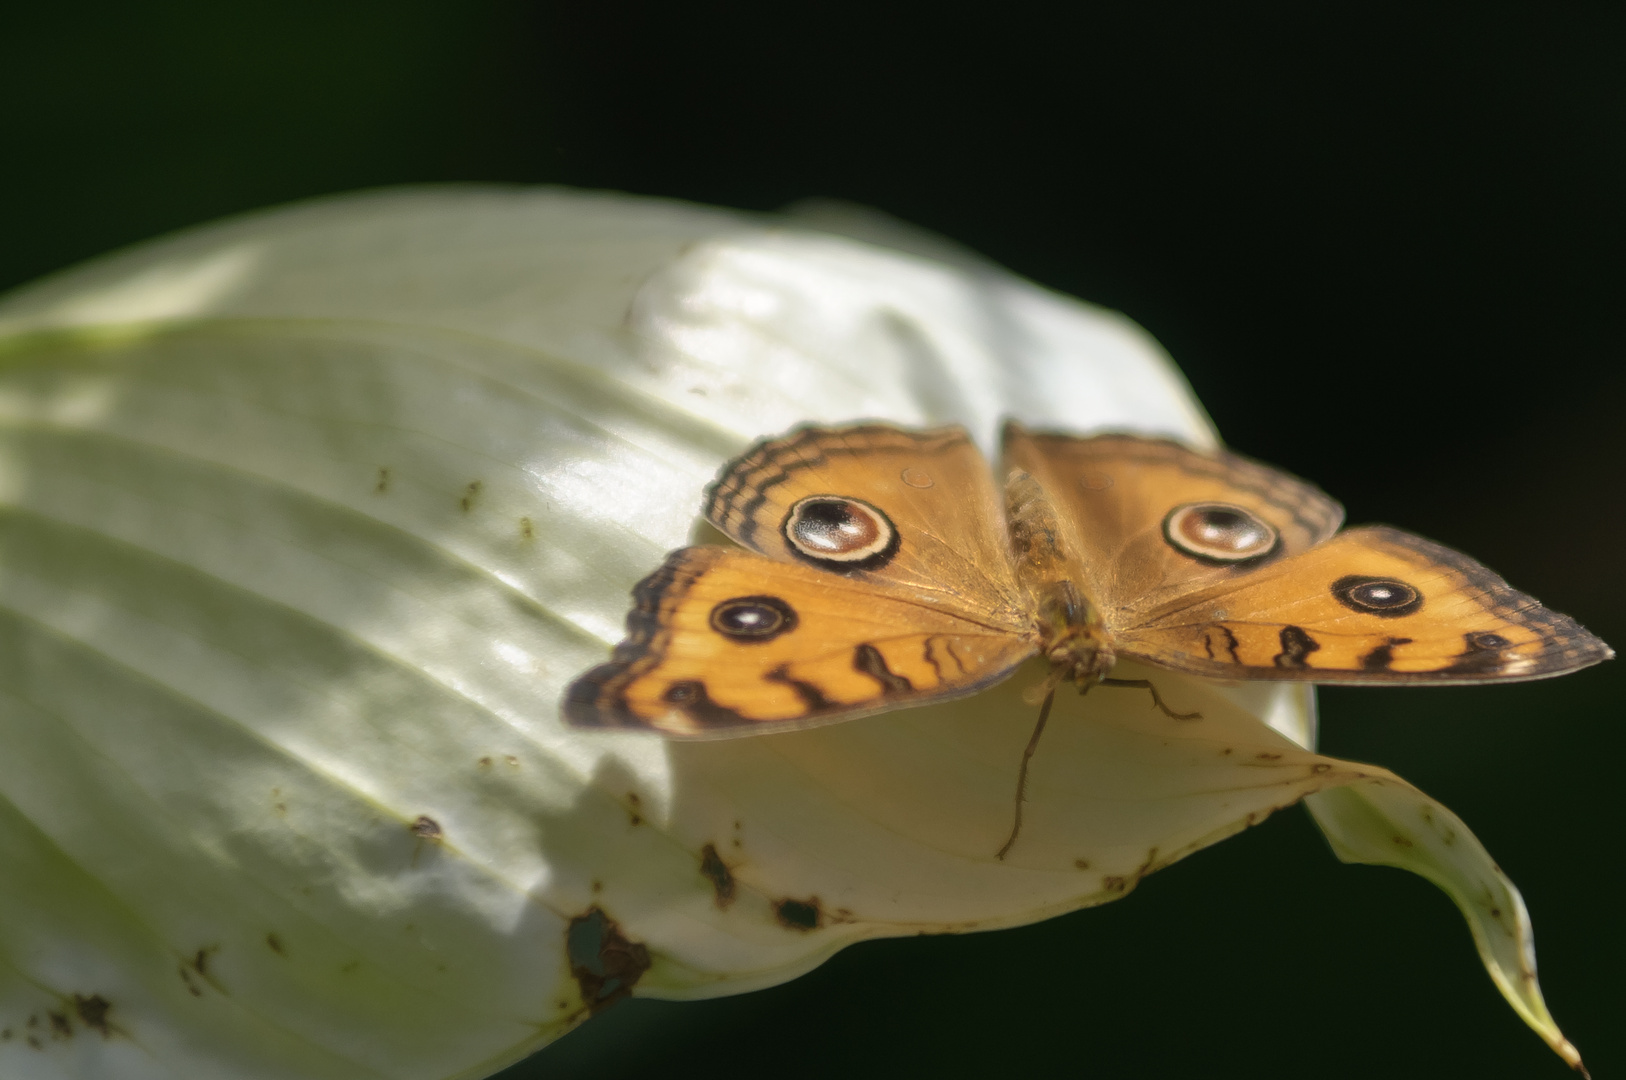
1022	773
1146	684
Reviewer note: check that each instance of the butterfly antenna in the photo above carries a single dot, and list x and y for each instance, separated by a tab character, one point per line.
1022	773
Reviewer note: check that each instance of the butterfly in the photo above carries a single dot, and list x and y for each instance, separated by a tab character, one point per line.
884	567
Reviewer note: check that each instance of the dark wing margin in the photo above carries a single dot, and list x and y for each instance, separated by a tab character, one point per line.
597	698
1568	646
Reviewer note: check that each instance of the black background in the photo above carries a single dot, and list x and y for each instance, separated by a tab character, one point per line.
1385	243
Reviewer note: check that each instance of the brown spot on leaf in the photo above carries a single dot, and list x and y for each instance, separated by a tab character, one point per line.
526	531
61	1027
186	979
1320	767
470	494
1228	750
484	763
196	968
1265	755
1081	864
425	827
383	484
510	760
93	1011
274	943
598	886
717	872
606	965
1400	841
632	800
1114	884
799	914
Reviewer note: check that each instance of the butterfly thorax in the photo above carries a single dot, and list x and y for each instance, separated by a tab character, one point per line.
1072	634
1075	639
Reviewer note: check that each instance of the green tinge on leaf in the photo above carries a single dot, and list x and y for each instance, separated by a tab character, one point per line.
307	519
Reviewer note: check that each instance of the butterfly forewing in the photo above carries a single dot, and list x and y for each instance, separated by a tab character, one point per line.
915	509
1119	496
1370	605
723	642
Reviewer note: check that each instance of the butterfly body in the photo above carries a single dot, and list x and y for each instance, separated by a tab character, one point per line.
885	567
1070	629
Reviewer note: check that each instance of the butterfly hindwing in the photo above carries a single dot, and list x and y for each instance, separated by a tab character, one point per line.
722	642
1370	605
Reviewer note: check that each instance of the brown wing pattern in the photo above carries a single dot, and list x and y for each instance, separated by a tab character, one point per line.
934	487
722	642
1373	604
1114	494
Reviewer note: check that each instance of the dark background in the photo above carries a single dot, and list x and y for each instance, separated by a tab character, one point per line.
1385	244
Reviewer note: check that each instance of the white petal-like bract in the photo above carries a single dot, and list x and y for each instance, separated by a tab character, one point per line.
307	519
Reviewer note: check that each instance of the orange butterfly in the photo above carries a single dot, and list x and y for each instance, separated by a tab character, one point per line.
886	570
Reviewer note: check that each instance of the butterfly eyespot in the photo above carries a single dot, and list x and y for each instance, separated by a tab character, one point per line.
916	478
1490	641
1219	532
1095	481
842	533
1384	597
753	618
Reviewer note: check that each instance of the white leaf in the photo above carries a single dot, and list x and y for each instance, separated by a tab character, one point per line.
308	518
1394	824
